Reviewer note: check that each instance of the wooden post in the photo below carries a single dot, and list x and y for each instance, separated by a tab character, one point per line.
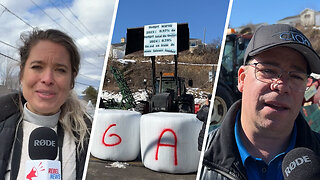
153	76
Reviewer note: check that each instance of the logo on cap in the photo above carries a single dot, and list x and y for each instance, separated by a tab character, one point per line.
294	36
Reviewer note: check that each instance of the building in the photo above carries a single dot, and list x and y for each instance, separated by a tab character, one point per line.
307	17
195	43
117	50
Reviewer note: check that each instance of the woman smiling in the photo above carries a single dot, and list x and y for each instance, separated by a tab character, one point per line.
49	65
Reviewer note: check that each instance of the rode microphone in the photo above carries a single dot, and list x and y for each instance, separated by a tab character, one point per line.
43	144
43	150
301	163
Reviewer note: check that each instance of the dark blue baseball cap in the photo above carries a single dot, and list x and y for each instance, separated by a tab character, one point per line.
275	35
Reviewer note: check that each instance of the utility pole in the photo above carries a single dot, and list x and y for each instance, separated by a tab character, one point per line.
204	36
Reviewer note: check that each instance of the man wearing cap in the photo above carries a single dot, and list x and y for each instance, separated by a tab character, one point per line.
265	124
202	115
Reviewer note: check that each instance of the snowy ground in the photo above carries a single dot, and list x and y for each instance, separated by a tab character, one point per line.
200	96
117	164
126	61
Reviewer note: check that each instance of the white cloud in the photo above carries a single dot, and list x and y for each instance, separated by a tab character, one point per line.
95	15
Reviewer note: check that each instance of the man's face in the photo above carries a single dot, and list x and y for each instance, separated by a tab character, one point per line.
264	105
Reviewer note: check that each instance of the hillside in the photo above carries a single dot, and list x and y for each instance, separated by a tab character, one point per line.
313	34
135	68
195	66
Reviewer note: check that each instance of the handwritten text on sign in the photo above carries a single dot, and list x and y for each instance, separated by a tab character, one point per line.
160	39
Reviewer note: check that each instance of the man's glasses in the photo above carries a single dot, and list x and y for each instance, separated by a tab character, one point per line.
269	73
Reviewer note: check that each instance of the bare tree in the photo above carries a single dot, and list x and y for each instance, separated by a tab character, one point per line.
9	73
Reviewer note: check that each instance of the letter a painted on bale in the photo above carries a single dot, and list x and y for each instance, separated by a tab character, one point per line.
168	145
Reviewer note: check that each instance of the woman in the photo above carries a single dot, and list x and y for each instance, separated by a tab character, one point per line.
49	65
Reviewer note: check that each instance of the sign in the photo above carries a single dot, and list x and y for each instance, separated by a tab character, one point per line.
43	170
160	39
310	92
210	76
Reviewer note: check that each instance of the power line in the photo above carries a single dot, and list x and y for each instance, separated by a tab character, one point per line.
69	20
85	84
6	9
87	77
16	15
92	64
48	15
9	57
61	27
18	48
8	44
83	25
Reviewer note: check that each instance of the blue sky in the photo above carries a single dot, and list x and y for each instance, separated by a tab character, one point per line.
257	11
205	14
201	15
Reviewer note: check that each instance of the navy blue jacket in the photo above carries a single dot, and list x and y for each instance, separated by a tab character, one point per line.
222	160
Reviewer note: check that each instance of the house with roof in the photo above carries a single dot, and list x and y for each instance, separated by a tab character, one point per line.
195	43
117	50
308	17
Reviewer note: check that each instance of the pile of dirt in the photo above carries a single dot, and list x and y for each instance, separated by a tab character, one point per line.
195	66
313	34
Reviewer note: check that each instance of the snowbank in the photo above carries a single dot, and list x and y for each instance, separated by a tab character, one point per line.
141	94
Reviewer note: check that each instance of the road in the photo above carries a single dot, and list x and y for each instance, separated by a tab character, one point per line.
101	169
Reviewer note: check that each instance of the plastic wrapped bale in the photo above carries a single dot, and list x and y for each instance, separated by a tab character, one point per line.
169	142
116	135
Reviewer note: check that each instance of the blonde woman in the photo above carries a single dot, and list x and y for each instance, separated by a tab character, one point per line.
49	65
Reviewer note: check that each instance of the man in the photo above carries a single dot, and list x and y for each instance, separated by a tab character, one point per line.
202	115
261	128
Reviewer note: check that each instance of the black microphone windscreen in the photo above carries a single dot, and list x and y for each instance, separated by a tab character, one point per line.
43	144
301	163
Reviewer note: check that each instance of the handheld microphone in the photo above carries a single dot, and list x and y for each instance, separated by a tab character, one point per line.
43	149
43	144
301	163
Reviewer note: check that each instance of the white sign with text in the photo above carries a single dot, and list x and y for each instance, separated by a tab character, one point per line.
160	39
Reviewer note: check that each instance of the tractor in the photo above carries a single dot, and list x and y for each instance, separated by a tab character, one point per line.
168	90
227	92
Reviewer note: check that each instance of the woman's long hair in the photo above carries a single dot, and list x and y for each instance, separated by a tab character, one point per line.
72	119
72	111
